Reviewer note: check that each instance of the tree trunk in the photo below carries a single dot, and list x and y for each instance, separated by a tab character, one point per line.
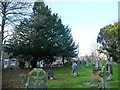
63	60
34	63
2	36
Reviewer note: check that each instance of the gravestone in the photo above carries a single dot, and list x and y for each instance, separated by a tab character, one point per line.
78	63
100	65
6	63
22	80
83	63
104	74
74	69
93	62
37	78
50	74
109	69
41	63
87	63
26	64
96	65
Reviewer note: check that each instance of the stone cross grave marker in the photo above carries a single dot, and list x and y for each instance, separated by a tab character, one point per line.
37	78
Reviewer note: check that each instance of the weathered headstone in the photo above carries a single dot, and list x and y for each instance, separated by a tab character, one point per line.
22	80
26	64
83	63
109	69
50	74
75	69
100	64
104	74
78	62
37	78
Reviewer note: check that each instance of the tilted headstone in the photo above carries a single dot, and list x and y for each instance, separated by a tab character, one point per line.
37	78
50	74
74	69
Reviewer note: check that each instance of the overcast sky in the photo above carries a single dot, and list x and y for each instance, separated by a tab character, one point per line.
85	19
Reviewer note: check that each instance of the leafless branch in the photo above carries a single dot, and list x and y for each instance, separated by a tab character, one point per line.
6	36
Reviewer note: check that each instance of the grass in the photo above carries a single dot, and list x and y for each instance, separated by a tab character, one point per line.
63	77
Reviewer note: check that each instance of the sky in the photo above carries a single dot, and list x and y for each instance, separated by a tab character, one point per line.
85	19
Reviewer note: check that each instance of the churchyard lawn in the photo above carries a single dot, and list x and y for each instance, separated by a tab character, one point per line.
63	77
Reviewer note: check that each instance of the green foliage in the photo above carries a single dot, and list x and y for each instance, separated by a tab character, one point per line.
109	39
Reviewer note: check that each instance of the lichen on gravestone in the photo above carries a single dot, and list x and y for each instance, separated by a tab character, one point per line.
37	78
104	74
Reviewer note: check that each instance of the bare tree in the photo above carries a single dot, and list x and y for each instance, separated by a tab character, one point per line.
11	13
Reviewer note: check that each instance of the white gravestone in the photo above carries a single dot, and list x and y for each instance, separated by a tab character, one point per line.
96	64
87	63
6	63
74	69
41	63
